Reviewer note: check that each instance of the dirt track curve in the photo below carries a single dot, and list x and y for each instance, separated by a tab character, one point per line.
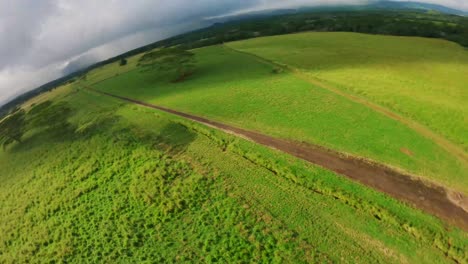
425	196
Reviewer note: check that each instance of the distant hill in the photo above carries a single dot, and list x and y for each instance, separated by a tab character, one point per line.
377	5
417	5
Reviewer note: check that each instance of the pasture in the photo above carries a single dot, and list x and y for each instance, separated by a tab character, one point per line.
240	90
129	184
96	179
424	80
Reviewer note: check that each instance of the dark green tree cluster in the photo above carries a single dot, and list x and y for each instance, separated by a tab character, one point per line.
180	62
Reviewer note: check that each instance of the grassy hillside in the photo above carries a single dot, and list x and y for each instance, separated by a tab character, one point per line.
238	89
111	182
422	79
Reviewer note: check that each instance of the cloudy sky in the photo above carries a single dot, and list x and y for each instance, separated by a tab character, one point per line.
40	40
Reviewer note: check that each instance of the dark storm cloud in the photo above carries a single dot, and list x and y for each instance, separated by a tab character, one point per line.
40	38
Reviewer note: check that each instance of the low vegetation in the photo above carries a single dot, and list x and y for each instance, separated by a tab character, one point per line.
240	90
129	184
89	178
427	84
176	61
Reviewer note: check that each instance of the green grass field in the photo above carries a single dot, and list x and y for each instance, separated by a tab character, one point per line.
119	183
423	79
127	184
239	90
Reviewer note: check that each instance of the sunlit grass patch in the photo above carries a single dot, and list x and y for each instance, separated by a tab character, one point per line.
240	90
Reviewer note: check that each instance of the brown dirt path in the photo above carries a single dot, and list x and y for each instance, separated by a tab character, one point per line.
421	129
426	196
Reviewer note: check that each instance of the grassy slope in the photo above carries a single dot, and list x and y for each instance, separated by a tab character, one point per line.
238	90
132	184
423	79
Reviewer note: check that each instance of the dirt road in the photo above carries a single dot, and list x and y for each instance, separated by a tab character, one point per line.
428	197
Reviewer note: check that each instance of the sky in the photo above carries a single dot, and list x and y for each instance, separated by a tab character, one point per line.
41	40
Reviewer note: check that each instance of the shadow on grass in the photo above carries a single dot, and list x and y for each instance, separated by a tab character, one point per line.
49	123
174	138
61	133
103	124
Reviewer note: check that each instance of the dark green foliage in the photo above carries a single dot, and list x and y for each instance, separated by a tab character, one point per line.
123	62
176	60
12	128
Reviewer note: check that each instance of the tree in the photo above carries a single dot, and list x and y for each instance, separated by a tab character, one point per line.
179	61
12	128
123	62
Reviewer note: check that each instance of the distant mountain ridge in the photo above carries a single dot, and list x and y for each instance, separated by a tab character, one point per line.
376	5
385	4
